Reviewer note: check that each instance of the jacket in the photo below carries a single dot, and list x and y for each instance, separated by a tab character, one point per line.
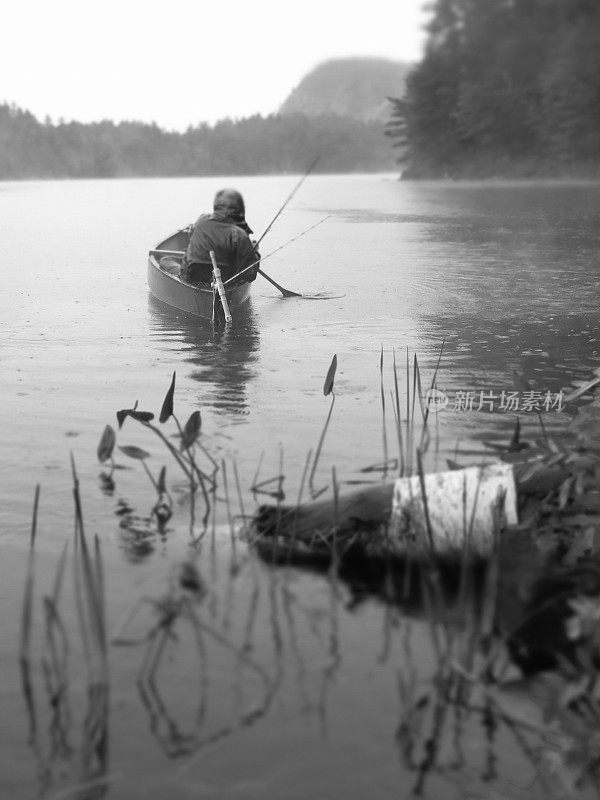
232	246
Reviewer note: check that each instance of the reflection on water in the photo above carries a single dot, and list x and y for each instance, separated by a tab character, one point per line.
222	357
516	281
311	684
251	675
506	274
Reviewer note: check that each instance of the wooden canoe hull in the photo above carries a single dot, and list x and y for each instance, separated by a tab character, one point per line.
167	287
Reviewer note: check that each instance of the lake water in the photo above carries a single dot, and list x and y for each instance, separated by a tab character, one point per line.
506	275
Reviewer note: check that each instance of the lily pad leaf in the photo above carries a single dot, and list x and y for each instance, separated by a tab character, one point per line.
122	416
106	444
330	377
134	452
142	416
191	430
162	481
167	407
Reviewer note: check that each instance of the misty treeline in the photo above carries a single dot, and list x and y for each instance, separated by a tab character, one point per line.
506	87
275	144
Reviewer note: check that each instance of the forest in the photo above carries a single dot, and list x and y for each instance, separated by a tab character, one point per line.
255	145
506	88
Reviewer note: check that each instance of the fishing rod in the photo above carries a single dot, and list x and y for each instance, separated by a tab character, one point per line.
292	193
284	292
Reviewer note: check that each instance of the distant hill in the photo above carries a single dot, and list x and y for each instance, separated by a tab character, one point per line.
348	87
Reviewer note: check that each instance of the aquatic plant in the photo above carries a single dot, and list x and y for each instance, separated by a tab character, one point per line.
185	603
327	390
194	621
473	638
26	621
58	750
185	457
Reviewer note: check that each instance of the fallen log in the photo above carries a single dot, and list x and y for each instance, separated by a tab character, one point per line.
438	512
537	581
361	511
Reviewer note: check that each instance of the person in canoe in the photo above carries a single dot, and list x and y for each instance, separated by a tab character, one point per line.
227	233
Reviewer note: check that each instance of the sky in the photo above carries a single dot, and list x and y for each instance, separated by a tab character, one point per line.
181	62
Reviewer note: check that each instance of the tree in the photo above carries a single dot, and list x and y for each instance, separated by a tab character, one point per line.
505	86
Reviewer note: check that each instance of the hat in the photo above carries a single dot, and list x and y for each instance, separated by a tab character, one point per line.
231	203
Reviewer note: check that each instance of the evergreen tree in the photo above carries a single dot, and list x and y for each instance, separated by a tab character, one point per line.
505	87
256	145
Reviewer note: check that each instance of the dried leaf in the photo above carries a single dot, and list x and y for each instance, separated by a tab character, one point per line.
555	446
587	425
581	390
500	448
582	462
106	444
330	377
167	407
134	452
542	480
565	491
191	430
519	457
381	466
557	458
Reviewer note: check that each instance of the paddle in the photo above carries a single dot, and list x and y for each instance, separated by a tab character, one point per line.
285	292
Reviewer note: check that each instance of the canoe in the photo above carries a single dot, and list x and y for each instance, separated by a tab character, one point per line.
164	266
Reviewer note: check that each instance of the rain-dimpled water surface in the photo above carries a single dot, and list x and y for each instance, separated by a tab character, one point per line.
506	275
